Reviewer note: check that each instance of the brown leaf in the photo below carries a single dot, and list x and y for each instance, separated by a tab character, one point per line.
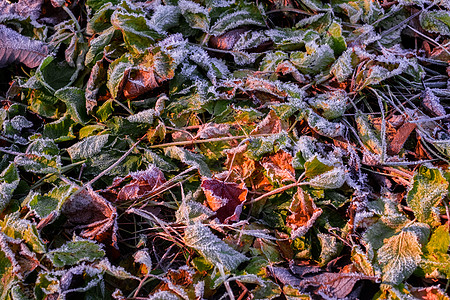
400	138
271	124
238	163
227	40
279	167
335	285
225	198
138	82
212	130
304	214
141	185
93	215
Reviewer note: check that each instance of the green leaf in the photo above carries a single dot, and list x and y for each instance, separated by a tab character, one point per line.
75	102
237	16
51	202
76	251
137	34
165	17
116	73
196	15
436	21
9	180
314	61
54	74
189	158
428	188
41	157
97	45
399	257
60	131
213	249
436	259
369	136
88	147
331	248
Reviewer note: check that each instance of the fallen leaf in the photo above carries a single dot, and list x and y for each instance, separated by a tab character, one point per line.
335	285
400	138
141	185
271	124
227	40
279	167
225	198
93	215
238	163
304	214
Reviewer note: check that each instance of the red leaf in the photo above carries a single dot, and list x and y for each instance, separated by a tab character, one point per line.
225	198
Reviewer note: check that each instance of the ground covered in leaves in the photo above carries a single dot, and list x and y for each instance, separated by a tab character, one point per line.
224	149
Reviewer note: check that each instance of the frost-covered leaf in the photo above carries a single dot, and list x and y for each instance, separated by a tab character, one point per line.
432	103
74	252
137	33
15	47
399	257
41	157
332	104
94	213
189	158
16	228
278	167
428	189
141	185
331	247
304	214
225	198
9	180
437	21
342	67
51	202
213	249
244	14
315	61
436	260
196	15
75	102
88	147
325	127
60	130
165	17
143	257
258	147
369	136
21	9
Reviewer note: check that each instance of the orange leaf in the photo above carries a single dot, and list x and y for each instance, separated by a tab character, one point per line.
304	214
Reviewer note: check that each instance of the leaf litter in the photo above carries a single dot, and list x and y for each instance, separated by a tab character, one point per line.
224	149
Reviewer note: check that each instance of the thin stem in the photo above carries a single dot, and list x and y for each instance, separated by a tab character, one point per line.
227	138
278	190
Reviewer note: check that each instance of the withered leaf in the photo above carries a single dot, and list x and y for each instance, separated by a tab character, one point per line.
141	185
335	285
212	130
225	198
304	214
271	124
238	163
279	167
400	138
93	215
227	40
15	47
138	82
